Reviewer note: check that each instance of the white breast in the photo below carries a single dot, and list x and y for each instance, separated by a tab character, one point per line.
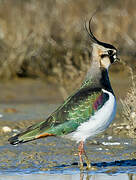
98	122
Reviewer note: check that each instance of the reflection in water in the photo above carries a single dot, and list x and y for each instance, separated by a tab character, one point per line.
131	176
107	177
85	177
82	176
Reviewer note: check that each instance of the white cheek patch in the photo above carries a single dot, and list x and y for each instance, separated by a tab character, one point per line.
105	62
114	56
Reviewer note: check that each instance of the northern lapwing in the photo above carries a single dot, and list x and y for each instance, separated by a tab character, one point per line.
88	111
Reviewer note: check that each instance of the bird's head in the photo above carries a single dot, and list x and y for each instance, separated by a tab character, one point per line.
105	54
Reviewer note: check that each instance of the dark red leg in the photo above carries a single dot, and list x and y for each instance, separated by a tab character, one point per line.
80	152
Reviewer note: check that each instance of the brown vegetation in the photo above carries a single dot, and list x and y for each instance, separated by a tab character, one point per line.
129	108
47	38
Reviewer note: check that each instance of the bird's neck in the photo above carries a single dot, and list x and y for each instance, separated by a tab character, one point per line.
97	77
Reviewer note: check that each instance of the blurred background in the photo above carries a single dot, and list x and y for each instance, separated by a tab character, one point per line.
47	39
42	38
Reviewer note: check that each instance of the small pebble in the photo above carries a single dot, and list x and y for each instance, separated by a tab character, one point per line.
109	137
1	115
133	115
128	127
6	129
126	143
120	127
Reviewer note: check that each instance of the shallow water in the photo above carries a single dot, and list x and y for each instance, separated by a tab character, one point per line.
56	158
68	177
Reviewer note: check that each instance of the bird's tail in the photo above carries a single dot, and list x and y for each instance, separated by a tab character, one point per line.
30	134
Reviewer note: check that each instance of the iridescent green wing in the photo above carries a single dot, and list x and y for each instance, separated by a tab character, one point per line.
76	110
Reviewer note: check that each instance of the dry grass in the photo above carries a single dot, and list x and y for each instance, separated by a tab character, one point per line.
47	38
129	107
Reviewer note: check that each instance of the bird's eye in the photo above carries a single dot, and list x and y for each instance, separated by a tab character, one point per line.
110	52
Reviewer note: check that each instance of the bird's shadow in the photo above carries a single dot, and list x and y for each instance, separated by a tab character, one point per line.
121	163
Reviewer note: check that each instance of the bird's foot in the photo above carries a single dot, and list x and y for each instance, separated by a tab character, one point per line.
88	164
89	167
81	166
81	152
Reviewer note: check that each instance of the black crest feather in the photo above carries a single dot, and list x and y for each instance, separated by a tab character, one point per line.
93	38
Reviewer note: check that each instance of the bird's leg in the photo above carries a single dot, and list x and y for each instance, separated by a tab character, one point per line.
80	152
89	167
81	176
86	158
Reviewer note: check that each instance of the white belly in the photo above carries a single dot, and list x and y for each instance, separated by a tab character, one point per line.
98	122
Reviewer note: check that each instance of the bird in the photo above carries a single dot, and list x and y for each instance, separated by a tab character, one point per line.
85	113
